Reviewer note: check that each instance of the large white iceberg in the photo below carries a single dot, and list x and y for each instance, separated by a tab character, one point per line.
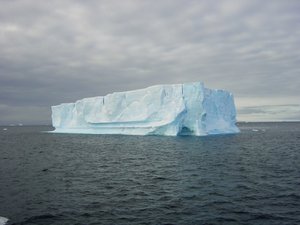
177	109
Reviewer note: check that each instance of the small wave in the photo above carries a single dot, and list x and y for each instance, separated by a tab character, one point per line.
86	215
3	220
39	218
159	178
291	195
266	216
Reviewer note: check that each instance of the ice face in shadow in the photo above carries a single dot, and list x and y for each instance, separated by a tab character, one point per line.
178	109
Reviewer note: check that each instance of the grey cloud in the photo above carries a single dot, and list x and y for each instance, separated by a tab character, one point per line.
26	115
285	112
60	51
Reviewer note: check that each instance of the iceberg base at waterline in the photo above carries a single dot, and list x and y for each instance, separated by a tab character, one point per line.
177	109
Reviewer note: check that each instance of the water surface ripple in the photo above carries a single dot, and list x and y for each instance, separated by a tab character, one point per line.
249	178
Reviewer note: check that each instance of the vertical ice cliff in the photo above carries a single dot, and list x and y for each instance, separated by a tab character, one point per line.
178	109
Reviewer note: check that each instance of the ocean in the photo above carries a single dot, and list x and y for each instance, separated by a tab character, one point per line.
69	179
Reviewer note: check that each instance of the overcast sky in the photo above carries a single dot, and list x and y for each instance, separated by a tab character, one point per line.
61	51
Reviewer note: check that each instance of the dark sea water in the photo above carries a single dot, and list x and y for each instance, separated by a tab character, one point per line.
249	178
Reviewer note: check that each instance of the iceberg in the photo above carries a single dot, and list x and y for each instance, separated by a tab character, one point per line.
172	110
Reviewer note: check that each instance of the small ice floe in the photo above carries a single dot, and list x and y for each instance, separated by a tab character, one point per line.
3	220
4	128
20	124
255	130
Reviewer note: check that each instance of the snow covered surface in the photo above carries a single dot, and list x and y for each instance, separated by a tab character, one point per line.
177	109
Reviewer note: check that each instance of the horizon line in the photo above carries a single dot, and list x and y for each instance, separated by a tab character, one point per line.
241	121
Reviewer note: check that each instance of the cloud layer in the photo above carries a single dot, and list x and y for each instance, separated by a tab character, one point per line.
61	51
